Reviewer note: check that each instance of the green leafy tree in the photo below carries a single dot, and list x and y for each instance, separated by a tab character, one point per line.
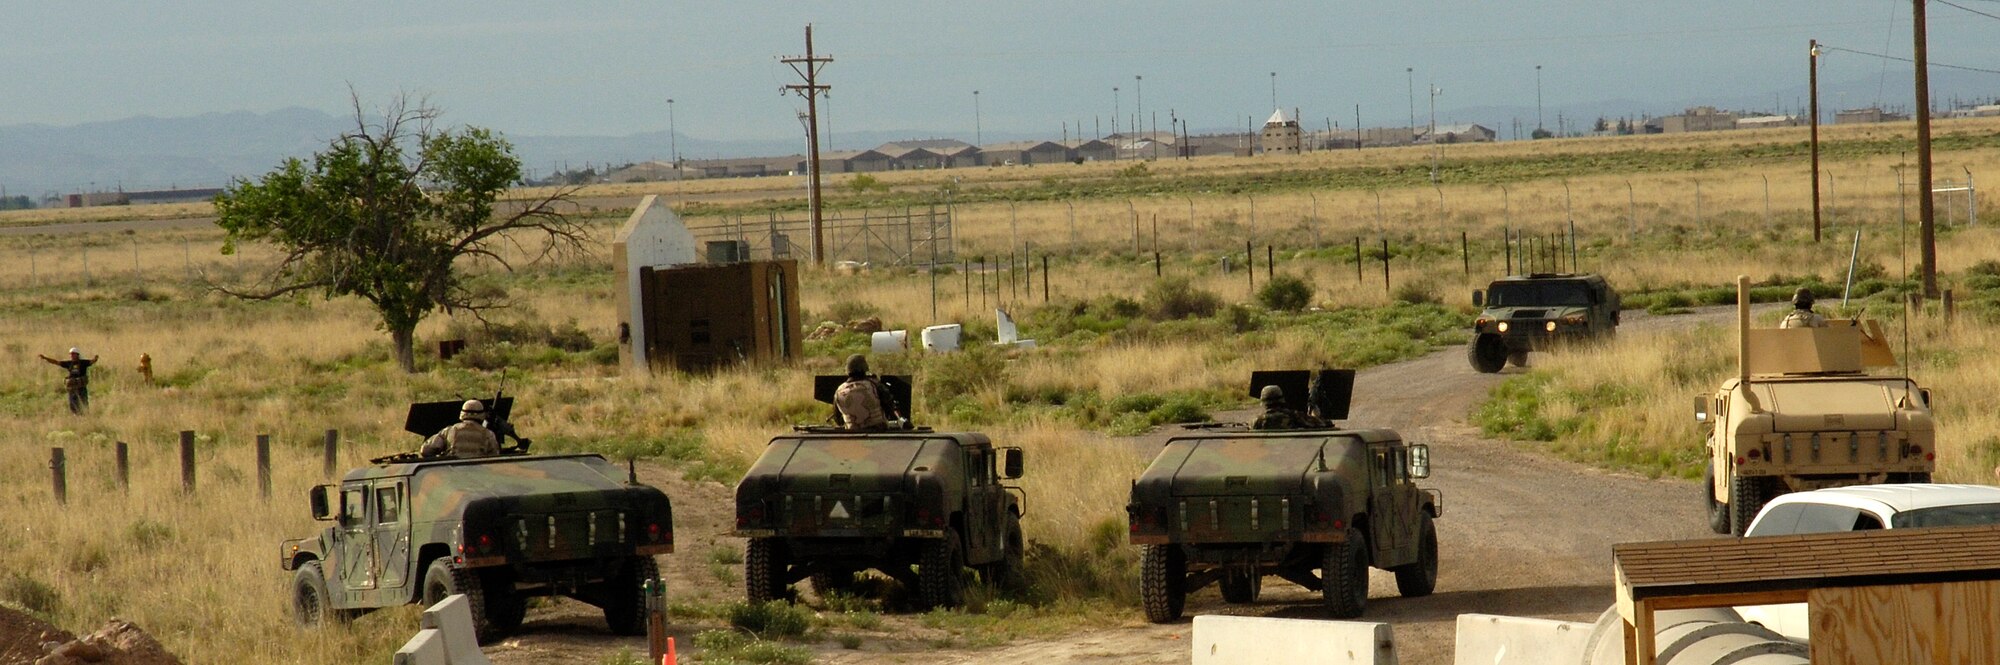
391	212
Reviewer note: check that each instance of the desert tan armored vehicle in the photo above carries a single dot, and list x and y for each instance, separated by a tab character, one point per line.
1802	413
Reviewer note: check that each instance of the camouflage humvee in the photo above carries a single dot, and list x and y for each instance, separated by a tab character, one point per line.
1803	414
497	529
825	504
1522	313
1230	505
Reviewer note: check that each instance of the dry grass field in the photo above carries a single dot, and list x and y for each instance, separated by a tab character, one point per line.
201	571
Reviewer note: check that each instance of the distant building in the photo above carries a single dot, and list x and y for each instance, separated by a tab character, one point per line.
1281	135
94	199
649	171
1023	153
1698	119
172	196
1768	121
1461	133
930	154
1865	116
1091	150
749	167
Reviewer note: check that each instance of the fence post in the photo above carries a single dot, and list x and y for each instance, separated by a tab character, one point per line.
59	476
124	467
264	466
1270	263
1357	260
331	452
1250	264
1045	278
1948	308
966	267
655	592
1385	265
1507	241
187	461
1465	252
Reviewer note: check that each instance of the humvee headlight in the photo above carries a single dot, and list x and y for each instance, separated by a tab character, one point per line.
1503	326
1550	326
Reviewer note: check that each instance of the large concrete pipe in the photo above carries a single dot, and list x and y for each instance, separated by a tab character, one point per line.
1714	636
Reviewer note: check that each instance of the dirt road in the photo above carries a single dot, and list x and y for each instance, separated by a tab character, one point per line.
1521	534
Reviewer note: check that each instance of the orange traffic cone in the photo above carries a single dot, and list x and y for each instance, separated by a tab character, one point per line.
670	658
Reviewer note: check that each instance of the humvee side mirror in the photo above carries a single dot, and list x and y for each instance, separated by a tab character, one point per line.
1010	464
1925	393
1701	408
1420	461
321	508
1478	298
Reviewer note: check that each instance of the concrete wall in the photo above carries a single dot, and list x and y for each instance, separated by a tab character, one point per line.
652	236
1229	640
1486	639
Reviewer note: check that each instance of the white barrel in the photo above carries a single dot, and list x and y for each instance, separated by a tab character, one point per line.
942	339
889	341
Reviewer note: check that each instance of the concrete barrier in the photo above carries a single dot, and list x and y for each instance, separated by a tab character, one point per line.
1229	640
1486	639
427	648
452	618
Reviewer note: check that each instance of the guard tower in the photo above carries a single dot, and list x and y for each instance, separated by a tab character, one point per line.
1281	134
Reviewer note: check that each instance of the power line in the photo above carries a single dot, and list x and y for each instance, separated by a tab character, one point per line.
1891	57
1969	9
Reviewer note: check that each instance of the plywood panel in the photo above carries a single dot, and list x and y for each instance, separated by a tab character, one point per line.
1923	623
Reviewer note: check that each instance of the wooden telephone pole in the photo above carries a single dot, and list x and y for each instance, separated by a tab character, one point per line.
1926	210
808	67
1812	82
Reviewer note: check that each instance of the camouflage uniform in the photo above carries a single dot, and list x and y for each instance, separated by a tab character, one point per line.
1802	315
1278	416
467	438
860	403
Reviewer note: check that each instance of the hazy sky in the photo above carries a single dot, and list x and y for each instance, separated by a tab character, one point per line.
607	68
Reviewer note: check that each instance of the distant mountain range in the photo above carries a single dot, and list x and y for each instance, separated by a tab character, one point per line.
149	153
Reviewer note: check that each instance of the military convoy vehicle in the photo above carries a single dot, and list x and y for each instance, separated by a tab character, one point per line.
1803	414
499	530
1229	505
1522	313
919	506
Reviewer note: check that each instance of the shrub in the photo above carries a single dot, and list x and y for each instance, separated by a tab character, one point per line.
848	310
31	594
1419	292
1176	298
775	618
728	646
1285	293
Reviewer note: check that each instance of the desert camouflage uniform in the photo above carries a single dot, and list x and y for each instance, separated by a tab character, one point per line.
860	403
465	439
1803	318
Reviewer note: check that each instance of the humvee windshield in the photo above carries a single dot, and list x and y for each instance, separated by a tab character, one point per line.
1538	294
1254	454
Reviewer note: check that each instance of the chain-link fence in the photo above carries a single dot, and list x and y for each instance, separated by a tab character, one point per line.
907	237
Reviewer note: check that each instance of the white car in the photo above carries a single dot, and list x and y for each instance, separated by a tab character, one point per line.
1862	508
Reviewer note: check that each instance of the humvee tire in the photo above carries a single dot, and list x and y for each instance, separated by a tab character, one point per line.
941	572
763	571
1241	587
1344	576
445	578
625	596
310	605
1162	582
1747	496
505	609
1718	515
1419	578
1518	358
1487	353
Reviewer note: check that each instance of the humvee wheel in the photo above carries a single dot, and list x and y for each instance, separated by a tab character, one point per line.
1420	577
1242	587
1344	576
1487	353
445	578
1162	582
1517	358
1747	495
940	573
310	604
763	570
1718	515
505	609
624	598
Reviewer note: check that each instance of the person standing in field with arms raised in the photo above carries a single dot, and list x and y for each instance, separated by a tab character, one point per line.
78	381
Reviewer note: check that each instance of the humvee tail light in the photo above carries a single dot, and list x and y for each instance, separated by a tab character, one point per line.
1754	453
653	532
1739	460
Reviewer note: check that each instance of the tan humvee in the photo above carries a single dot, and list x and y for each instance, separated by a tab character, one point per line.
1802	413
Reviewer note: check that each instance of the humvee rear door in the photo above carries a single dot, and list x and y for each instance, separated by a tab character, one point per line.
1392	504
392	534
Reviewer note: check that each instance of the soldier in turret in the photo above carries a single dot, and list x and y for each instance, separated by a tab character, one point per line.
1278	416
466	438
1802	314
862	403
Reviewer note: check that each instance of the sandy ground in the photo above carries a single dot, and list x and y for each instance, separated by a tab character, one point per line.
1522	534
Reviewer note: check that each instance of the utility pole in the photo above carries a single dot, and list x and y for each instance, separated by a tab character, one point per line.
1538	99
807	67
673	139
1437	149
1812	85
1926	208
1114	114
1410	79
1138	103
978	134
1274	90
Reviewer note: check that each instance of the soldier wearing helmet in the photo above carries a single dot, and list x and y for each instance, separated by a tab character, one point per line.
77	382
862	403
466	438
1278	416
1802	314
